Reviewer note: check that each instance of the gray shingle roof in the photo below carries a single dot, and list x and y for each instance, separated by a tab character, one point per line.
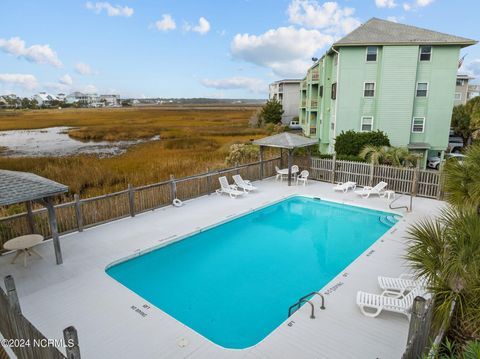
286	140
378	32
17	187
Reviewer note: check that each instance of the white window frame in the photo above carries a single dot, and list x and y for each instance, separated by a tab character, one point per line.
374	88
420	53
416	89
366	54
458	96
423	124
362	123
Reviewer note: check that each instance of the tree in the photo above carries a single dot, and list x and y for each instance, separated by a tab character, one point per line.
271	112
373	154
394	156
466	120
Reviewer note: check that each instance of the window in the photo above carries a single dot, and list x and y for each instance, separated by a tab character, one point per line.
422	89
334	91
321	91
425	53
458	96
371	53
369	89
418	124
459	82
367	124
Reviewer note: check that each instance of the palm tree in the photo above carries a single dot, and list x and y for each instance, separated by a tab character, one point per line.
446	252
373	154
462	180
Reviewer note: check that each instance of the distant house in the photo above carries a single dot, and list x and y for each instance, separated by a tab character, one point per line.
473	91
110	100
385	76
287	92
89	100
61	96
3	102
44	98
461	89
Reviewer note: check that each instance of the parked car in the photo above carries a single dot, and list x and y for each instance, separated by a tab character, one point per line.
455	144
294	125
434	161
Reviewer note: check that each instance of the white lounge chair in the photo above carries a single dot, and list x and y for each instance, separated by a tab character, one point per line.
226	188
388	301
345	186
401	284
303	177
379	189
245	185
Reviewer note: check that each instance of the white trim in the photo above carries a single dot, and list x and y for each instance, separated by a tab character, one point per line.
416	88
361	123
366	54
374	88
423	124
420	53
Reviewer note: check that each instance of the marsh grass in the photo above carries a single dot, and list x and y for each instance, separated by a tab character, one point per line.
191	140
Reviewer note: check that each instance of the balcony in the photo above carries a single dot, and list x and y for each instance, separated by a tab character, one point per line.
313	131
303	85
315	76
314	104
304	103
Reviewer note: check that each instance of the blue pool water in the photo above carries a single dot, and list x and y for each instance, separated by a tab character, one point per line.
235	282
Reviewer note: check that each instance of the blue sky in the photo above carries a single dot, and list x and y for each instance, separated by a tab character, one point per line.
168	48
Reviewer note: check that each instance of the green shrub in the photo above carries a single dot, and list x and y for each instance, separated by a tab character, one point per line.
350	143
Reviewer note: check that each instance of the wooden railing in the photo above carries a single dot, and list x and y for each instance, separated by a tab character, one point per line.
420	330
315	76
314	103
84	213
423	183
23	338
304	103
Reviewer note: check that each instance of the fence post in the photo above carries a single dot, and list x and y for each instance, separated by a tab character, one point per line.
12	294
418	311
370	176
173	187
261	163
209	181
416	175
440	181
31	221
71	342
131	199
334	166
78	212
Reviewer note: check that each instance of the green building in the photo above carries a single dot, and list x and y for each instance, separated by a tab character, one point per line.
384	76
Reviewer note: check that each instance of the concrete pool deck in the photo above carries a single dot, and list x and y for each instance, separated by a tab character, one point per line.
113	322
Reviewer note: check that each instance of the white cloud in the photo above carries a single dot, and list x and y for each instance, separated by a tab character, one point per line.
25	81
166	24
112	10
406	6
84	69
235	83
286	50
471	68
423	3
202	27
89	89
385	3
329	16
66	80
41	54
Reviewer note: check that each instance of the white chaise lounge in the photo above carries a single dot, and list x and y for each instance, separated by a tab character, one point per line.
401	284
245	185
372	305
345	186
379	189
226	188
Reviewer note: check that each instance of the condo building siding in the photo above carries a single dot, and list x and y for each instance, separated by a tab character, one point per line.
287	92
402	88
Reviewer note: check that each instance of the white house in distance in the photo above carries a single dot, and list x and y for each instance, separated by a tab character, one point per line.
110	100
44	98
287	92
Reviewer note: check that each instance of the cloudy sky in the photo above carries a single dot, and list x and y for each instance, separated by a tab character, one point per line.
193	48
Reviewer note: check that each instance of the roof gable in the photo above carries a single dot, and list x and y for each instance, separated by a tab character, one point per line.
378	32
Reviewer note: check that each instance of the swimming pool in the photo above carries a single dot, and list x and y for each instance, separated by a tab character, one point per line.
234	283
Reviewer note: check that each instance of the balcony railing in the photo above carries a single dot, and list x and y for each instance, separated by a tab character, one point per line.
304	84
313	131
314	103
304	103
315	76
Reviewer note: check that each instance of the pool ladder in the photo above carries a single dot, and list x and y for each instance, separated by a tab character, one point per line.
304	299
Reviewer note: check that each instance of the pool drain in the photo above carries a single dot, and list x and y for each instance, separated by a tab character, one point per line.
182	342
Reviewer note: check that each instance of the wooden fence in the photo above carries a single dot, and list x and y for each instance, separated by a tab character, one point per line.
420	338
23	338
423	183
84	213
